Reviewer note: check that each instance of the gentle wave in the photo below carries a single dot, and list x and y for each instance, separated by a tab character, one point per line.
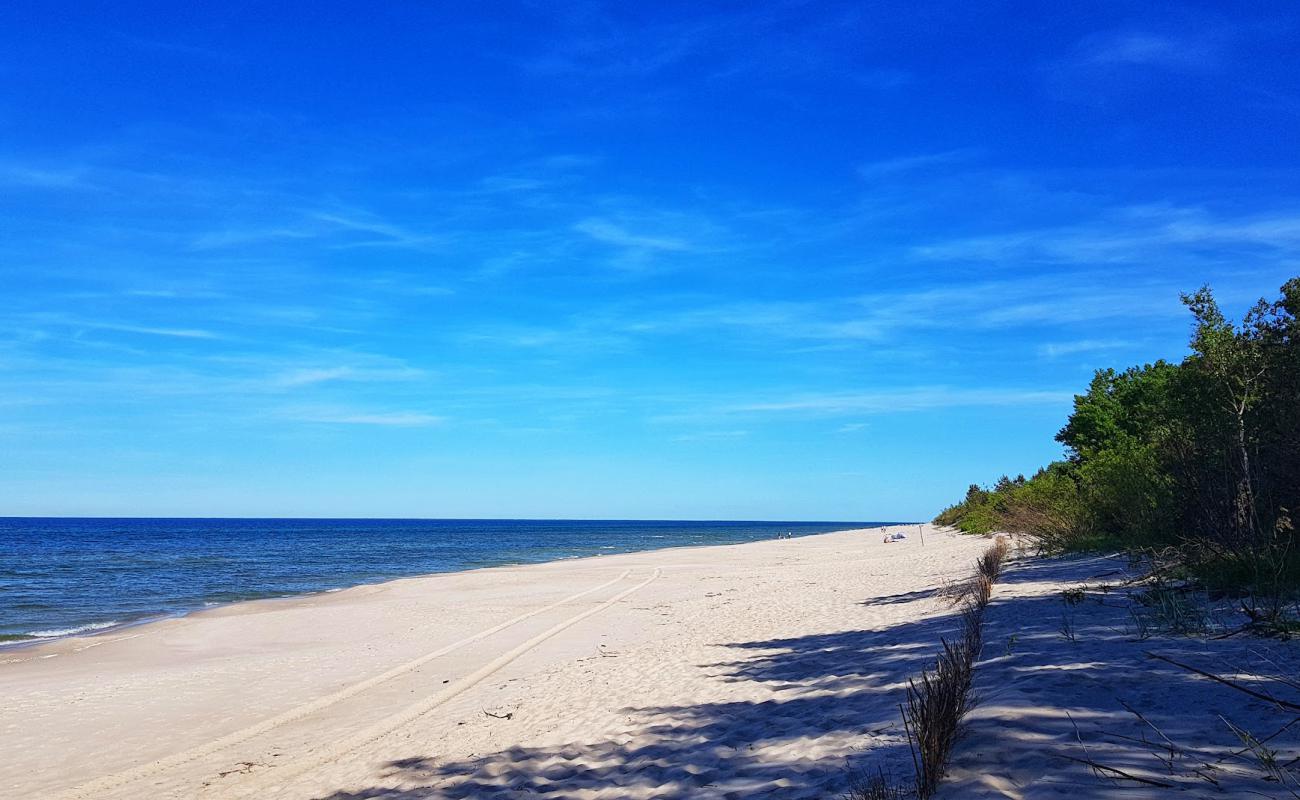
56	632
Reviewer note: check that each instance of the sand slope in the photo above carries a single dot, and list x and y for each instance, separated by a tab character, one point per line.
735	671
1062	681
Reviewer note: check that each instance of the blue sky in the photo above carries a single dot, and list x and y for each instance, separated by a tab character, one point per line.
672	260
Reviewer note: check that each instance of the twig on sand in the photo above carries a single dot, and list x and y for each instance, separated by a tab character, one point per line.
1174	750
1078	737
1265	696
1233	632
1119	772
507	715
1102	770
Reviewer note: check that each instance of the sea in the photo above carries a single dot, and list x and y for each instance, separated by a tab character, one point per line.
63	576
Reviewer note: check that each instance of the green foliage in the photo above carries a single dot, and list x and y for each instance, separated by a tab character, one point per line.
1047	506
1203	455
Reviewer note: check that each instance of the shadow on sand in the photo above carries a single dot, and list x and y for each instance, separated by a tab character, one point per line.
839	687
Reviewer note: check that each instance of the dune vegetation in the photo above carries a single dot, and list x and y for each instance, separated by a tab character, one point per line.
1196	464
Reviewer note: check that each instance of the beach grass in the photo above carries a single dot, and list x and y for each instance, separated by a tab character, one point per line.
939	697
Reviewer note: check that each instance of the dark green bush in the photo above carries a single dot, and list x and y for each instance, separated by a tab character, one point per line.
1203	455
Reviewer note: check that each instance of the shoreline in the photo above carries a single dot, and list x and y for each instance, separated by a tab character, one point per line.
331	684
88	629
152	619
767	668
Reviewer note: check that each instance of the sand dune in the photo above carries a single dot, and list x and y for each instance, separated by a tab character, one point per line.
698	672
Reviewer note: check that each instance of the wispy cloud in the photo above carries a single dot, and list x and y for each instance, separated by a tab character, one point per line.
1148	49
343	416
308	377
176	294
312	376
1126	235
890	167
238	237
776	40
338	228
710	436
610	233
80	324
1060	349
17	175
376	231
174	47
898	316
304	367
576	337
179	333
903	400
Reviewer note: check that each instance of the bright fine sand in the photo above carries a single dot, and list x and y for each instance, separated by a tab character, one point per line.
771	669
727	671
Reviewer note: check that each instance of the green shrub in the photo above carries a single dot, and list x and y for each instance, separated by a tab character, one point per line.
1203	456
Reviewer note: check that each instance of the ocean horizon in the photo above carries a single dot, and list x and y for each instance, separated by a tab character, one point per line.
63	576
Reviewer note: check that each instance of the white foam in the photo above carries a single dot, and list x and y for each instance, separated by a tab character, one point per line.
53	632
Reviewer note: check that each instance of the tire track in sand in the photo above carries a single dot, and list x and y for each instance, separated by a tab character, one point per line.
97	786
281	774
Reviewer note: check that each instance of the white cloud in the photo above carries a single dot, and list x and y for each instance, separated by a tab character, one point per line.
397	419
237	237
899	400
307	377
1124	235
1143	48
710	436
609	233
143	330
310	376
34	177
339	228
1059	349
903	164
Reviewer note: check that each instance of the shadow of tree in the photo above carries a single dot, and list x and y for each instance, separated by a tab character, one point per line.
834	691
1062	681
834	708
1087	568
902	597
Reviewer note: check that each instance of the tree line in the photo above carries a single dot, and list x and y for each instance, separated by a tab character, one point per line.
1202	456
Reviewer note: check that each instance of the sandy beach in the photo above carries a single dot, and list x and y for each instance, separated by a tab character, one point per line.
691	672
769	669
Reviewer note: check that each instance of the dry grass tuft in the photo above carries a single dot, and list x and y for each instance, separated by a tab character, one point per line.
989	565
874	787
940	697
937	701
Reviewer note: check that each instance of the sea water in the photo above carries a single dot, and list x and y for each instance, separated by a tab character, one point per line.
65	576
